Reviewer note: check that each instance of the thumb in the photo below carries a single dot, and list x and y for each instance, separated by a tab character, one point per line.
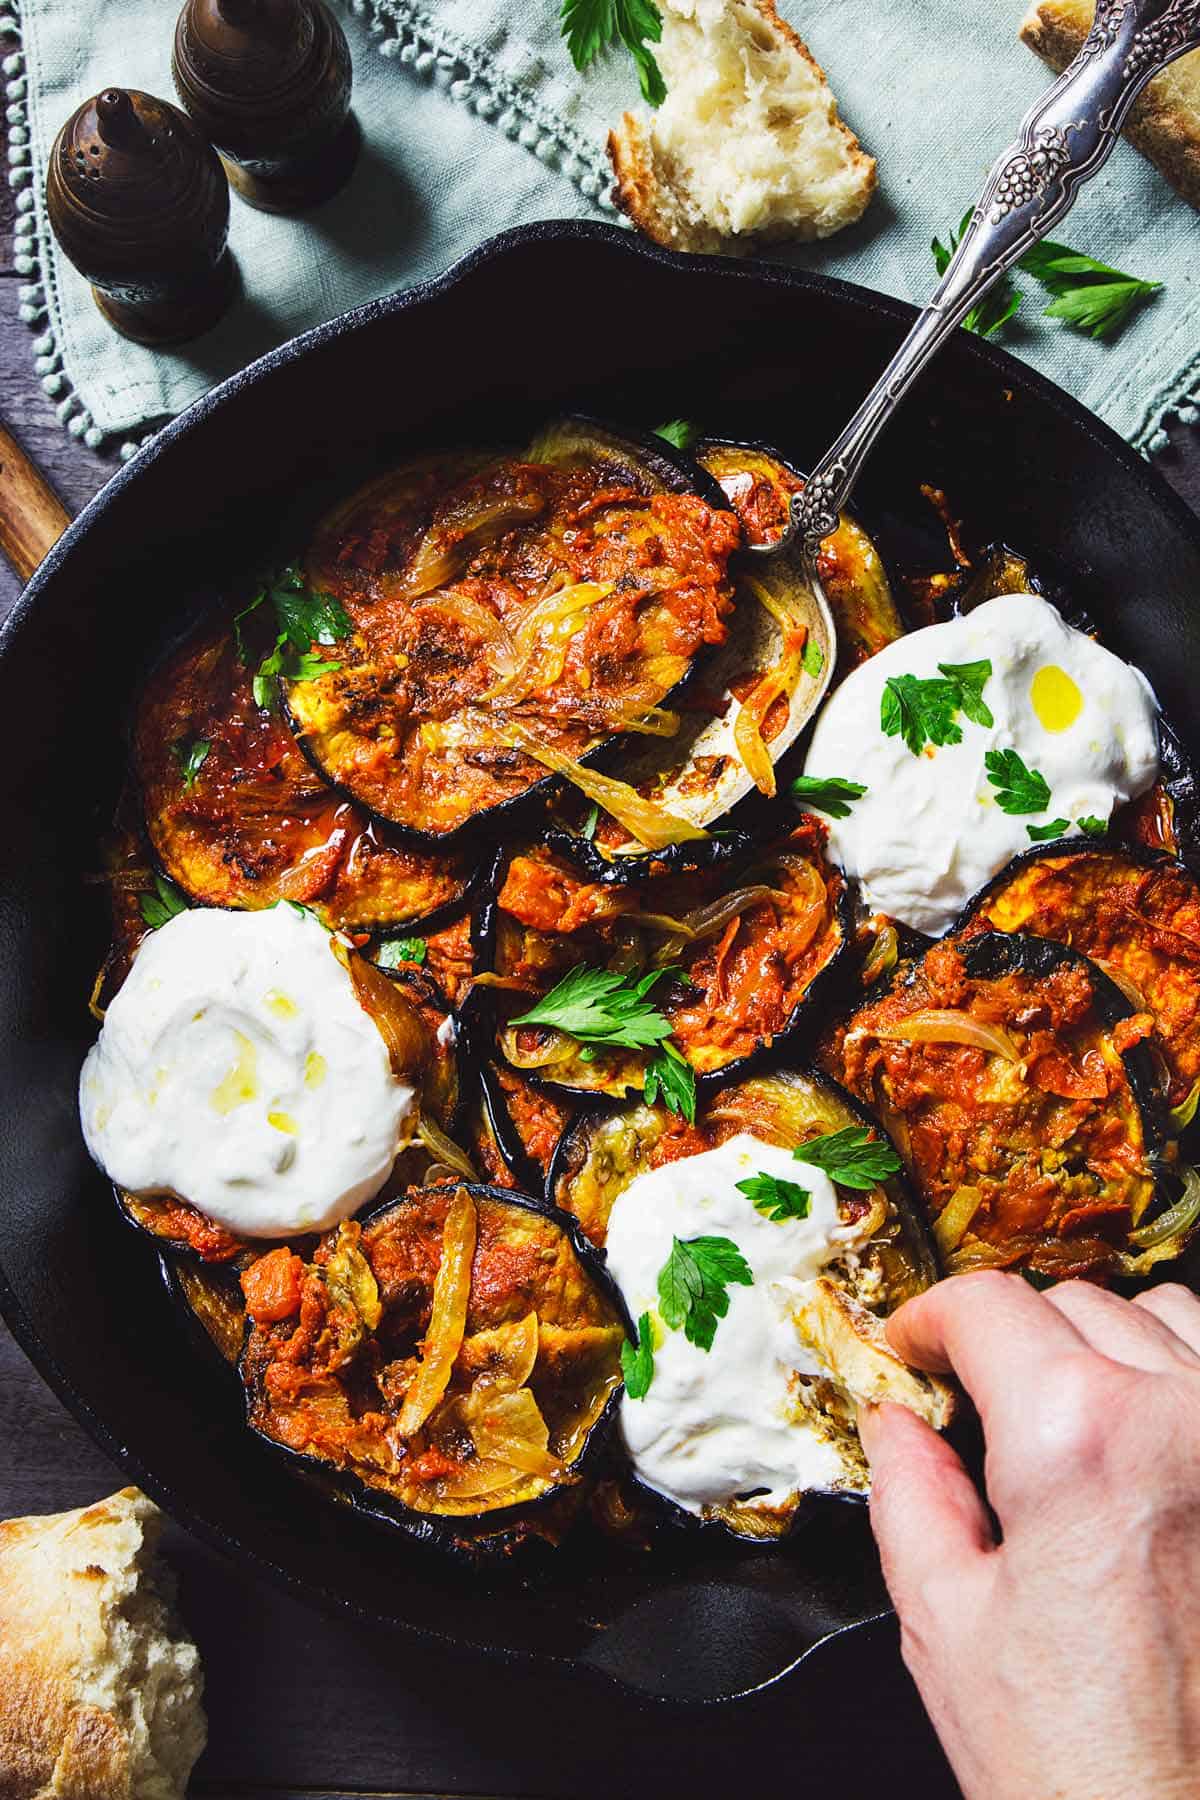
926	1512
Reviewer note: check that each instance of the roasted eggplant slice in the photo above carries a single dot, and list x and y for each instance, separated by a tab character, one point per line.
450	1358
508	620
755	948
1134	912
807	1341
1010	1072
239	818
759	485
602	1151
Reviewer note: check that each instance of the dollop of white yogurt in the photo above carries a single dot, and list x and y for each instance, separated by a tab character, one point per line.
929	831
237	1070
718	1424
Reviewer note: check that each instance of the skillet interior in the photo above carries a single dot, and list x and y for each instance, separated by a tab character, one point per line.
489	350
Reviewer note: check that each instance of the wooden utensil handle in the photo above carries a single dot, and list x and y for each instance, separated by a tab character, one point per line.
32	517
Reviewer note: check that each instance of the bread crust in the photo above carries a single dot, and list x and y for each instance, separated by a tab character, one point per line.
1164	124
644	200
57	1574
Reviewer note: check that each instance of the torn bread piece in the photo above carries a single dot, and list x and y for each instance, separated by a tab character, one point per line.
859	1368
1165	121
747	148
99	1684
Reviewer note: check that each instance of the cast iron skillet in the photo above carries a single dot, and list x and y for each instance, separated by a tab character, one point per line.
542	318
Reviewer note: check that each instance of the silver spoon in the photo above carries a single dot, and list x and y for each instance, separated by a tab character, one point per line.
1063	140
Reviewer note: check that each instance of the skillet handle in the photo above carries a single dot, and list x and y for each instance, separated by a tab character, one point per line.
1063	140
32	517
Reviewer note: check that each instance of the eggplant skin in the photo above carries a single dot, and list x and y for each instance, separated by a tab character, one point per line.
1033	1142
435	574
324	1384
1134	911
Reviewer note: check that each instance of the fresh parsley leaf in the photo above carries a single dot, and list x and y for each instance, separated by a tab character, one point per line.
394	951
776	1198
827	793
851	1157
969	678
920	711
1041	833
588	828
600	1006
1018	789
163	904
592	26
693	1285
671	1078
265	676
812	657
1088	295
305	616
1092	826
239	642
998	304
637	1360
190	758
680	432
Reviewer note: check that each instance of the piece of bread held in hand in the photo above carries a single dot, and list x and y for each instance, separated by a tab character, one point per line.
1165	121
99	1684
747	148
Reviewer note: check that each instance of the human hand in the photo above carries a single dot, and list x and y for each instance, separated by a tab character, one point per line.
1060	1658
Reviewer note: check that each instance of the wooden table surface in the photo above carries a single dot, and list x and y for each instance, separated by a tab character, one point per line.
301	1704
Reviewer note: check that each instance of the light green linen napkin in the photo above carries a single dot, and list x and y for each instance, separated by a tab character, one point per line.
475	120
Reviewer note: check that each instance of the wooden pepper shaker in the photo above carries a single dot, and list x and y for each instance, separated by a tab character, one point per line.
268	82
139	202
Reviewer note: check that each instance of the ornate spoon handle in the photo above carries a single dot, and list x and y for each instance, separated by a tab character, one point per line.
1063	140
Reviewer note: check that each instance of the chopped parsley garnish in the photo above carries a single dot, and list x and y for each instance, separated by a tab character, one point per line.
1088	295
997	305
1019	789
1041	833
851	1157
671	1078
637	1360
190	758
693	1285
164	903
1092	826
304	617
924	709
679	432
775	1197
591	26
812	657
600	1006
394	951
969	679
827	793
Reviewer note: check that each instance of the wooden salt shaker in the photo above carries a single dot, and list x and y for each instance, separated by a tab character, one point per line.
139	203
268	82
